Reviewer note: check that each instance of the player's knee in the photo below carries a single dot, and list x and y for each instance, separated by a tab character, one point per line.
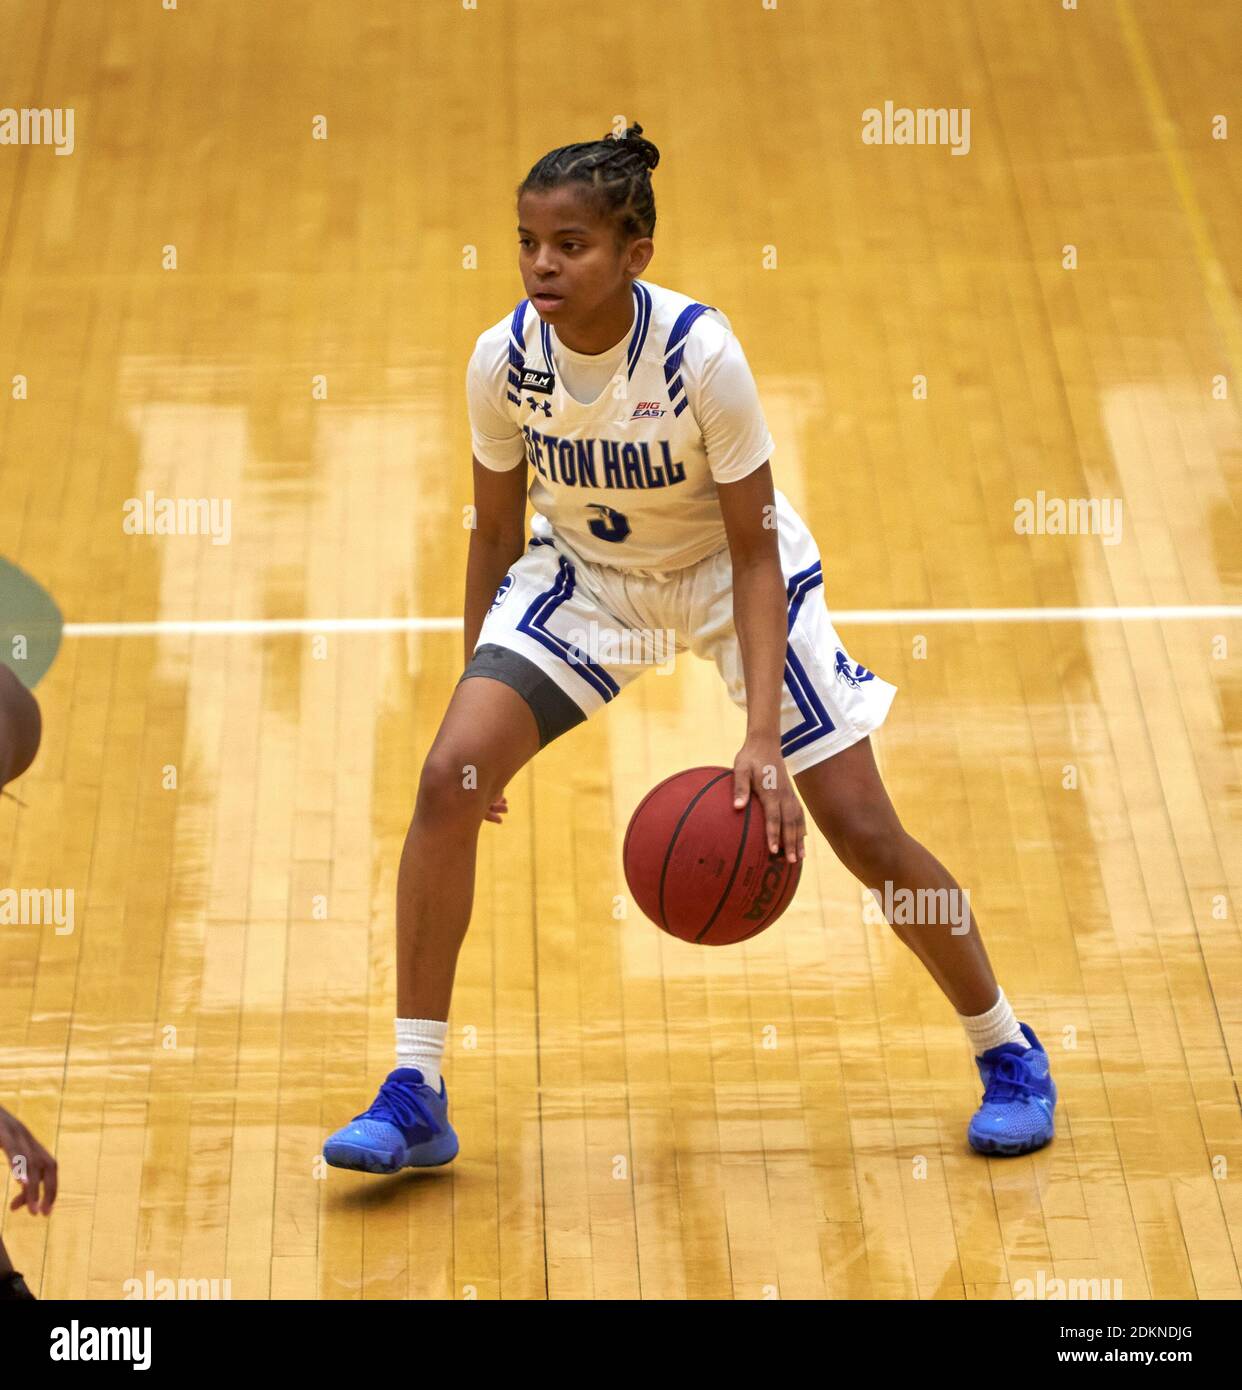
453	788
20	726
867	843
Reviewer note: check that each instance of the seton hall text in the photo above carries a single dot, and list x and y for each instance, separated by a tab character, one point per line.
613	464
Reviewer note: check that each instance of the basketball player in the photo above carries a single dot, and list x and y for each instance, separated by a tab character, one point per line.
20	731
634	410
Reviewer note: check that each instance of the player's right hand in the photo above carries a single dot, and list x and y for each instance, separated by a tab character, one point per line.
497	809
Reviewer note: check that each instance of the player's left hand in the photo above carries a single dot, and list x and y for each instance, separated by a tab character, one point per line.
38	1167
759	766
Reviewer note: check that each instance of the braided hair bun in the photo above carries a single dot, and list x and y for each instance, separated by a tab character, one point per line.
612	174
633	138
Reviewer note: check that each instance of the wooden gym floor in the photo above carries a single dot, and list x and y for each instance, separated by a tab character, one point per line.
639	1118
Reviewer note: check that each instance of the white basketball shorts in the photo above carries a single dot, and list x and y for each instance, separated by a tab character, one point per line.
570	635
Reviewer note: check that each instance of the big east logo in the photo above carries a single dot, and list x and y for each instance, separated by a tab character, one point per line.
646	410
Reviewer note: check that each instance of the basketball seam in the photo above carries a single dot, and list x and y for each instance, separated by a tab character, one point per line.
672	777
728	886
668	853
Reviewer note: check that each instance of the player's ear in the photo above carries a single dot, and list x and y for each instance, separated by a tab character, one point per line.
638	258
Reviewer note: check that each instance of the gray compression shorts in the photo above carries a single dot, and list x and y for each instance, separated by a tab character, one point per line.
554	711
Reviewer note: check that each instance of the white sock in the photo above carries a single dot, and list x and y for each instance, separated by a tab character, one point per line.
420	1043
991	1029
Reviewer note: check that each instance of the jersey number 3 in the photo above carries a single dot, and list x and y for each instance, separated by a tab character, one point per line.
610	525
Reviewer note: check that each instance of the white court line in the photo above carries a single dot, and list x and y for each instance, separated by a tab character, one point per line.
217	627
859	616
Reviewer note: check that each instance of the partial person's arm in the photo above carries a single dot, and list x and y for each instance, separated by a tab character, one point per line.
497	540
499	461
31	1163
739	446
759	616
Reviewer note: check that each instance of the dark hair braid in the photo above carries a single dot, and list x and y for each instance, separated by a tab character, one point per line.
615	174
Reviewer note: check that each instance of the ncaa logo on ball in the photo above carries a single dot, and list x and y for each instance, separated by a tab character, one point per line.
771	883
505	585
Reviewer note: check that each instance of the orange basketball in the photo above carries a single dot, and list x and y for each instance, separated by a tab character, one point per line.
699	867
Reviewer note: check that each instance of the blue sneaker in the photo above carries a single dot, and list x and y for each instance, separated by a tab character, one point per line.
1019	1096
407	1126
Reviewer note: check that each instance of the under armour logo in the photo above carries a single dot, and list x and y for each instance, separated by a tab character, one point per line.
539	405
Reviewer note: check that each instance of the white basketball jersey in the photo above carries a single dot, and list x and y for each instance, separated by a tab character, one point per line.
626	479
